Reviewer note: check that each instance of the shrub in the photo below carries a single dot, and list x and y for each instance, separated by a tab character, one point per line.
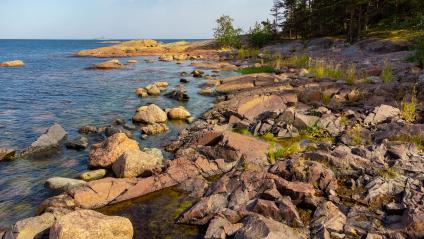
260	34
356	134
419	52
245	53
225	33
387	73
408	109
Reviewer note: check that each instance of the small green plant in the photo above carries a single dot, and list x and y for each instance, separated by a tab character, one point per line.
355	133
269	137
416	140
387	72
298	60
326	97
408	109
255	70
271	154
418	57
245	53
387	172
351	75
344	120
242	131
316	133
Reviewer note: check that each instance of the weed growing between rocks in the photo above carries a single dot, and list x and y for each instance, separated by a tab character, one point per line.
355	133
387	172
416	140
408	108
387	72
419	53
351	75
245	53
322	69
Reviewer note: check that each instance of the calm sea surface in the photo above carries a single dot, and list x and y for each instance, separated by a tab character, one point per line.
55	87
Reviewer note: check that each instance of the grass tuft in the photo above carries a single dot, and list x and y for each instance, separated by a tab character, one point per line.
408	109
254	70
387	73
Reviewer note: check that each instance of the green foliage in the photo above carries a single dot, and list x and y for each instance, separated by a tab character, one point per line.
260	34
326	97
269	137
225	33
297	60
254	70
245	53
350	18
324	69
416	140
316	133
355	133
387	73
419	53
242	131
387	172
351	75
408	108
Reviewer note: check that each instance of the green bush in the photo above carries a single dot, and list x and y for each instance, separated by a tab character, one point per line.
260	34
387	73
419	52
225	33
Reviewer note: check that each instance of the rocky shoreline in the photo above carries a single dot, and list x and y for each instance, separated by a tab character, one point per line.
290	154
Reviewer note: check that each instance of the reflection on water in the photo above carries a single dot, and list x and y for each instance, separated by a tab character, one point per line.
55	88
153	216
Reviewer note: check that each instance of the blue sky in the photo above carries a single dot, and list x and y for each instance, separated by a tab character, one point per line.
122	19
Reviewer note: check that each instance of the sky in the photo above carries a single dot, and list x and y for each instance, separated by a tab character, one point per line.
124	19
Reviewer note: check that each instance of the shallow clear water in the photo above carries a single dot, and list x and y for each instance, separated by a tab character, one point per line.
55	87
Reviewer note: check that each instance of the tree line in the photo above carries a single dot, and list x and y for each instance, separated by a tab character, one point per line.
352	18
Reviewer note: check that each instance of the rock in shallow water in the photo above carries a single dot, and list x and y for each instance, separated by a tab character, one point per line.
93	175
150	114
178	113
47	141
79	143
88	224
106	153
16	63
63	184
7	153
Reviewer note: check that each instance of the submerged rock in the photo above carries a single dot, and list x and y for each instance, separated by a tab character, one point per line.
88	224
132	61
141	92
150	114
7	153
106	153
47	141
179	94
79	143
63	184
134	163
